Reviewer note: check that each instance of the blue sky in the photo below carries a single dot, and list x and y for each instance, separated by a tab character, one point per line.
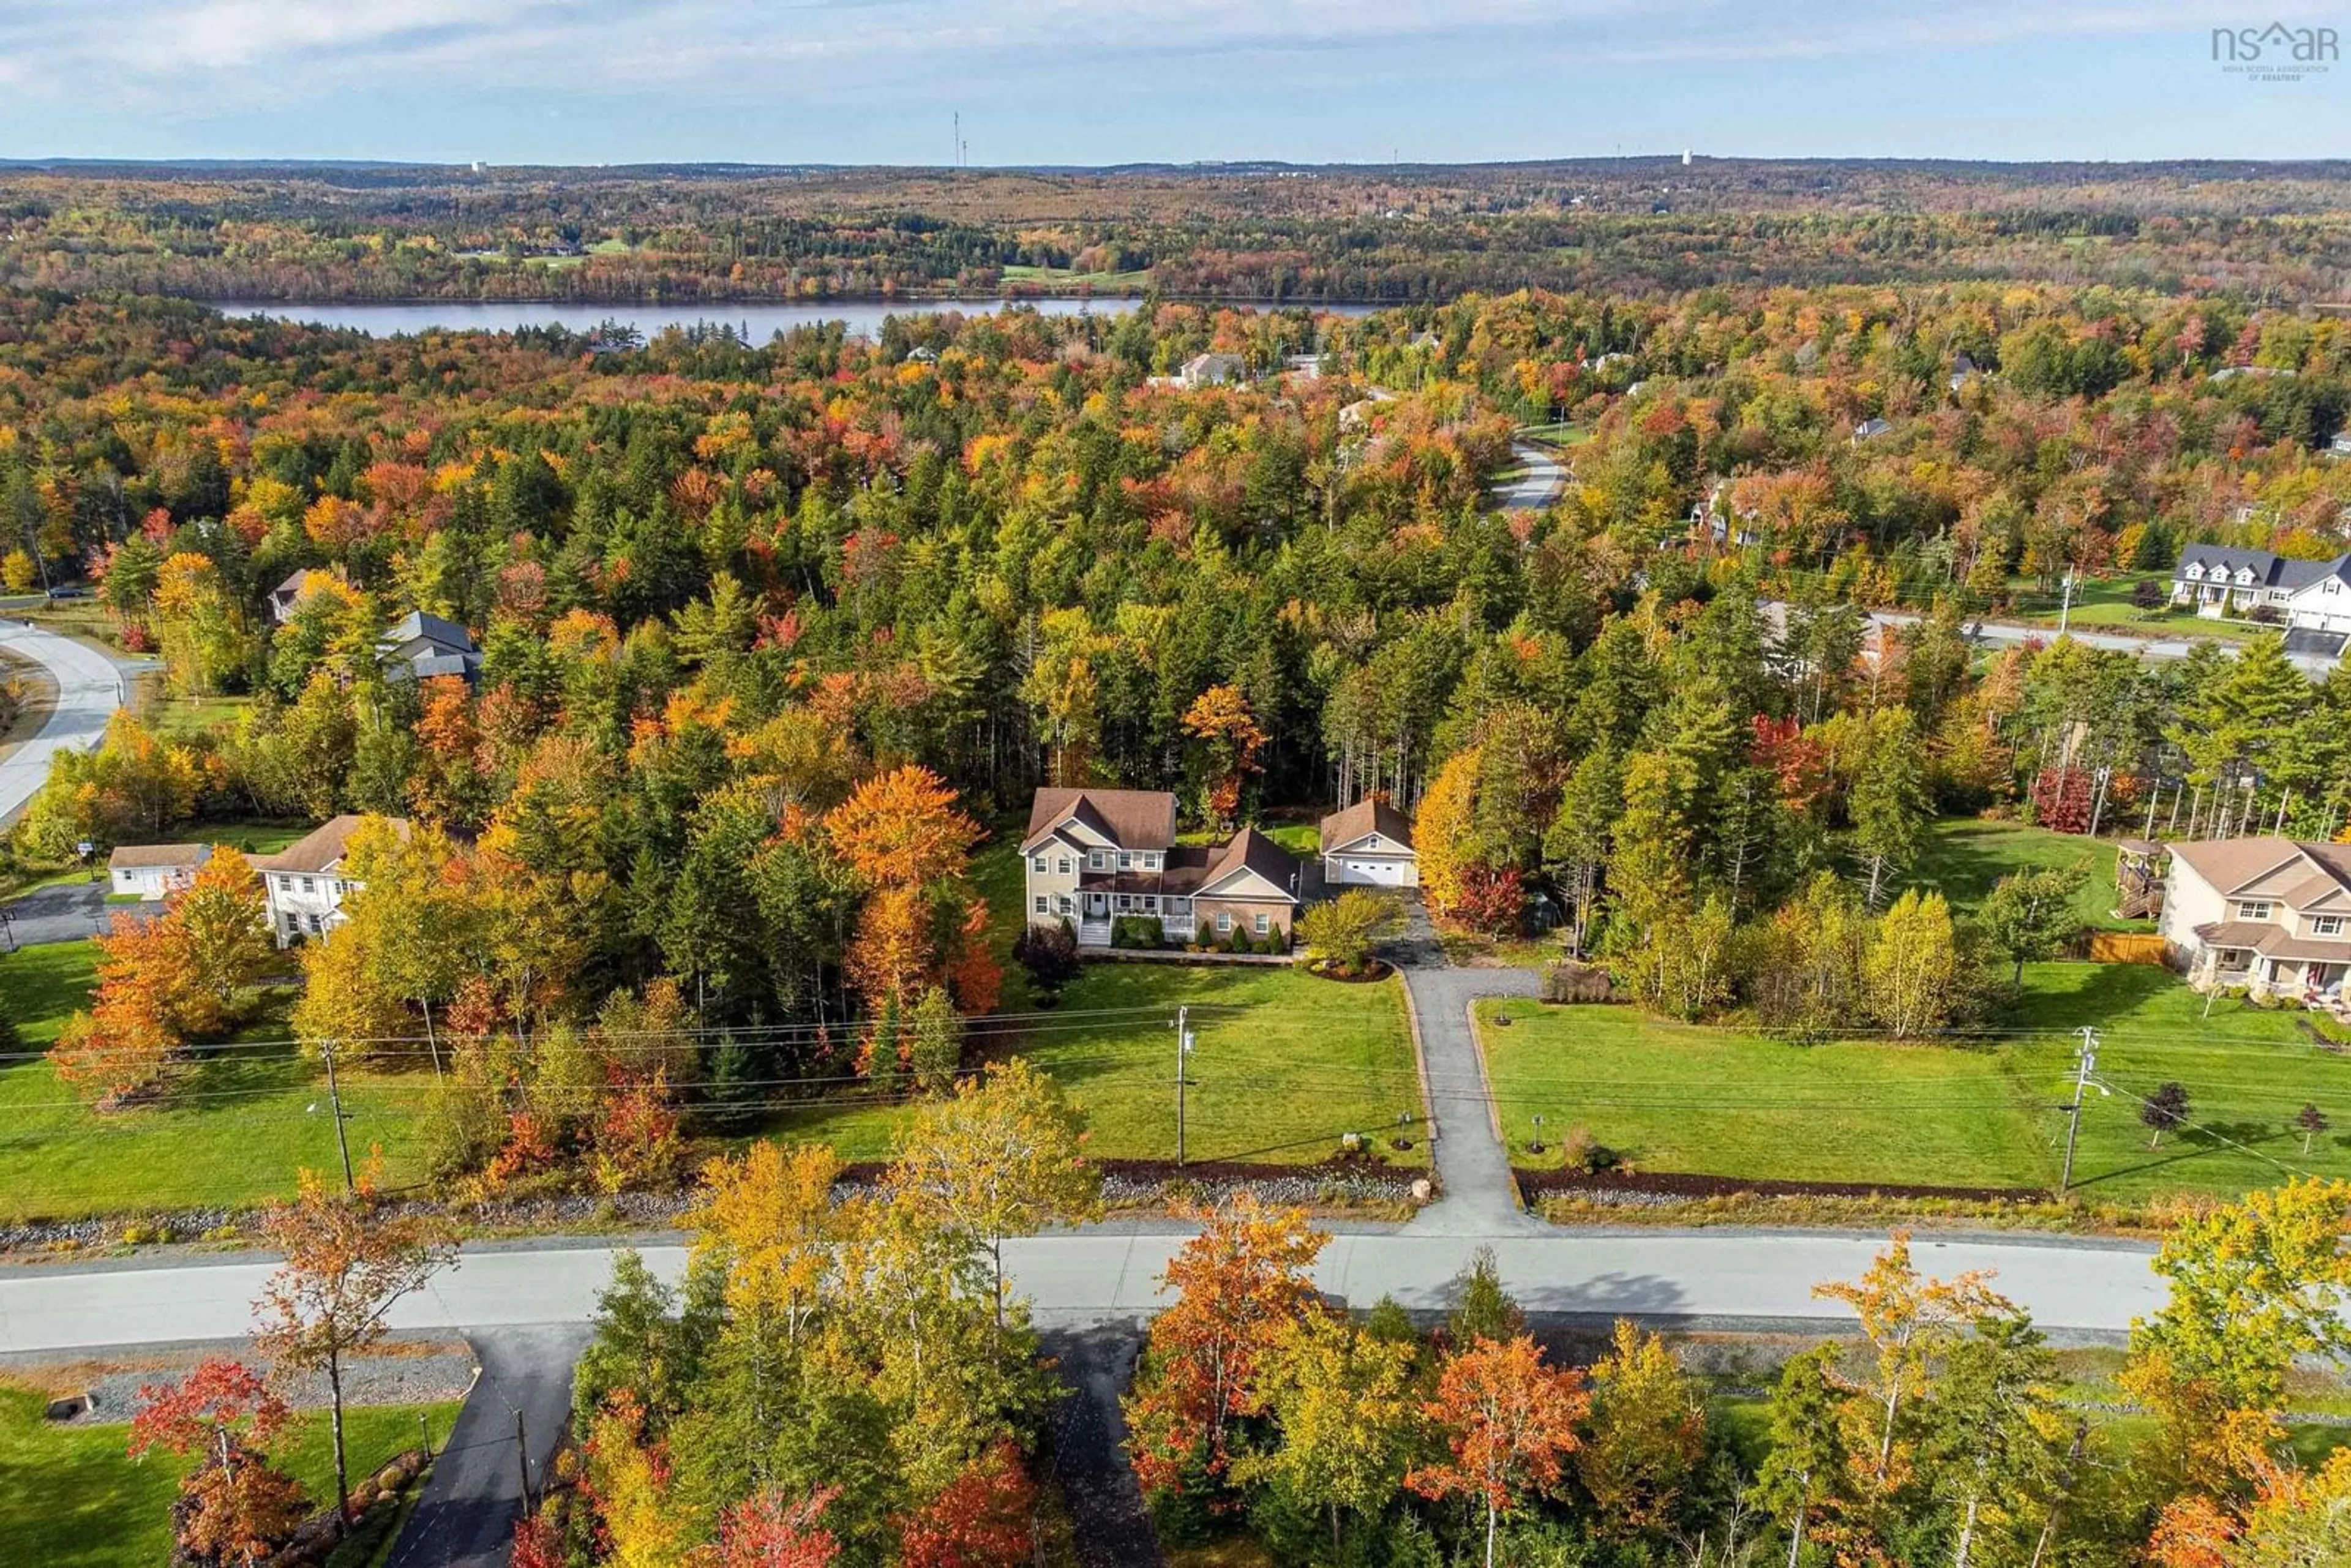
1098	81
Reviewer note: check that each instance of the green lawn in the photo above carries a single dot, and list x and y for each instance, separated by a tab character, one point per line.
69	1498
1303	839
1723	1102
237	1131
185	718
1965	857
1284	1065
1061	277
256	837
2104	604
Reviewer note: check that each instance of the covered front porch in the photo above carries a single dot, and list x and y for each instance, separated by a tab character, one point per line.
2312	982
1098	910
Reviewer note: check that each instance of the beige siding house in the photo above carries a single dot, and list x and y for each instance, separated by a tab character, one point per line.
1092	855
1369	844
2272	915
154	870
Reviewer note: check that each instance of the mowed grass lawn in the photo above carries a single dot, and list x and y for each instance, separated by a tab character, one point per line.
1283	1066
237	1131
1724	1101
1964	858
70	1498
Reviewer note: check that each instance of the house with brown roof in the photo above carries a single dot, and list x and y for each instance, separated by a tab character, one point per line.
1369	844
153	870
2272	915
303	884
1091	856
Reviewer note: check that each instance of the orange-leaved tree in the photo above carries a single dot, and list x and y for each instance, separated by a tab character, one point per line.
765	1532
1508	1423
145	1000
1238	1284
906	842
984	1518
347	1259
235	1505
1230	738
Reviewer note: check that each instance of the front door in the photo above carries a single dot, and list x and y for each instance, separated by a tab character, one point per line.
1097	905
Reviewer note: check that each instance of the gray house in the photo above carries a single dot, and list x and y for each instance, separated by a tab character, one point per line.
422	646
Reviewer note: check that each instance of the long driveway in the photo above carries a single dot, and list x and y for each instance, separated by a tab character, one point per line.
90	686
1540	477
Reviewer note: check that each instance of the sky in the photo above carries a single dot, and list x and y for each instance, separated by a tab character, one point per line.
1107	81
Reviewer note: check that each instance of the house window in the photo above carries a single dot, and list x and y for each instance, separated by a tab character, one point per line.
2256	909
1224	924
1264	924
312	921
2326	926
1042	905
1150	863
293	927
1060	865
1125	905
1038	863
1150	903
1064	904
1125	860
309	884
1096	860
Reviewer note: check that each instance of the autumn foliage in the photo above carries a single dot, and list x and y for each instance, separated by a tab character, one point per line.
235	1505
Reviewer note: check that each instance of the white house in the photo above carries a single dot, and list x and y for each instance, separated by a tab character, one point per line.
2341	445
1870	429
1369	844
1093	856
2220	580
303	884
1210	370
2272	915
154	870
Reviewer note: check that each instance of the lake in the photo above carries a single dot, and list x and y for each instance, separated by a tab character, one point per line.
757	321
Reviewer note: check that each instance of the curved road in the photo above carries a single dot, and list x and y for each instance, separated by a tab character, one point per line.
90	686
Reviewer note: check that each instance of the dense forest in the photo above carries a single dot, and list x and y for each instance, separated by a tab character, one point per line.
1406	234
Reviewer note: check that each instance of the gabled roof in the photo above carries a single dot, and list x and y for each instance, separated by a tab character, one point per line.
146	857
1251	851
417	626
323	847
2255	864
1363	819
1131	818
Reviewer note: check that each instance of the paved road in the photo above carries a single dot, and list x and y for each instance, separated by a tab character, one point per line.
1538	483
70	911
466	1518
1108	1274
90	686
2012	634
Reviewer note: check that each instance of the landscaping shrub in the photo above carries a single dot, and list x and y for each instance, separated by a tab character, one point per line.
1050	954
1138	931
1574	982
2148	594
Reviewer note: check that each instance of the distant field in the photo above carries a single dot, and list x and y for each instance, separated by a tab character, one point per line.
1724	1101
1062	278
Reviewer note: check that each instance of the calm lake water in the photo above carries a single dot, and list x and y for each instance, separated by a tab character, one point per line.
757	322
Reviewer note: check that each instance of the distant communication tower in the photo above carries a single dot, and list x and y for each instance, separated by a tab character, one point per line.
1686	152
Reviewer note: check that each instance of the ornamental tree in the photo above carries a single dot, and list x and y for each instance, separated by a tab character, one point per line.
235	1506
1508	1423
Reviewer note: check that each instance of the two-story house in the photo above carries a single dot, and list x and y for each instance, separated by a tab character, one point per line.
1092	855
2270	915
303	884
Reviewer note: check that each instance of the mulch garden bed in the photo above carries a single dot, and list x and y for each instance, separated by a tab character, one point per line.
1324	969
1671	1184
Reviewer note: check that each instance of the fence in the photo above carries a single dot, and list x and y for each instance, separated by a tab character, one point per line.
2125	947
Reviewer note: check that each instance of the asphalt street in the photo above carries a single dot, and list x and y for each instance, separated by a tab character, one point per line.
90	686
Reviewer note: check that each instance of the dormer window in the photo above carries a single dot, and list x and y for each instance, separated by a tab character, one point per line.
2195	571
2256	909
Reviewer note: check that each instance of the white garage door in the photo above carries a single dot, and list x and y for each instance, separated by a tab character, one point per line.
1386	874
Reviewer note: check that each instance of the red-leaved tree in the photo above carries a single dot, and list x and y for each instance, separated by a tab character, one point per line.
1507	1421
765	1531
985	1519
235	1506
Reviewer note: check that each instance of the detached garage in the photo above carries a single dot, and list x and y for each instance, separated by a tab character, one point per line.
1369	844
155	871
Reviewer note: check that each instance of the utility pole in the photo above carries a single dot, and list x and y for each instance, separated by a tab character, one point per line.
1183	1055
2088	1060
522	1458
335	1105
2065	604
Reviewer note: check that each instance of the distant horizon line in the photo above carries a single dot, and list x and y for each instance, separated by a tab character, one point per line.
1678	158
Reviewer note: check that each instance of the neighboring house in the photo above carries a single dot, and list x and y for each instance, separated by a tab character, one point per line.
2270	915
1210	371
2222	580
1713	517
1963	370
1092	855
154	870
1426	342
1369	844
1305	366
422	646
299	585
303	884
1870	429
2341	445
